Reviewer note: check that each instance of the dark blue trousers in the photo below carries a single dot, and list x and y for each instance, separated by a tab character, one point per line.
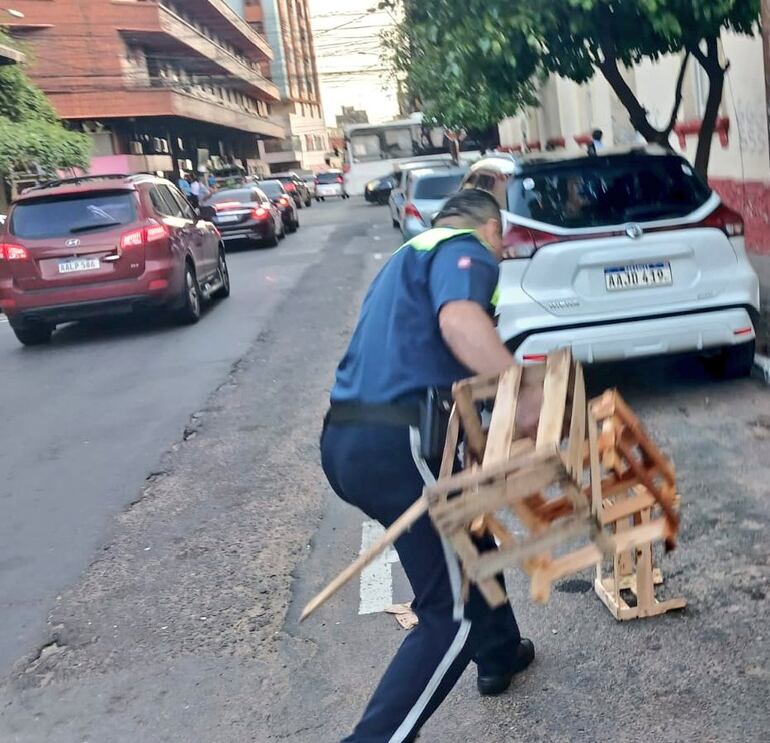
372	468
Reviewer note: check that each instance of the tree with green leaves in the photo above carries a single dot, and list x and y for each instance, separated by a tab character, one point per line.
500	49
31	135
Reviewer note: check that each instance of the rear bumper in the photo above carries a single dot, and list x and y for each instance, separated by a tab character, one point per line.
56	314
656	336
412	227
256	231
159	285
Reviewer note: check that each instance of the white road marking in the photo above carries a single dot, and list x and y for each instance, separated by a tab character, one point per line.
377	579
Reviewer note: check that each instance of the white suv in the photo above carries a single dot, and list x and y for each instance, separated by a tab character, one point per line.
620	255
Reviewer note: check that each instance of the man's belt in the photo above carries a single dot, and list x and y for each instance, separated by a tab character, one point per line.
388	414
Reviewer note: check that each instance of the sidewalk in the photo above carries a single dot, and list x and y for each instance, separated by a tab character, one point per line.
762	266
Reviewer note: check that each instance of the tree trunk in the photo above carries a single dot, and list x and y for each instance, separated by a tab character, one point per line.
716	74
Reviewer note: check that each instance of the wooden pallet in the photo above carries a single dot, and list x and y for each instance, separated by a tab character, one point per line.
538	485
592	484
635	500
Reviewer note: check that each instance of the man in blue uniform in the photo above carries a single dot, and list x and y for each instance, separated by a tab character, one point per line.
425	324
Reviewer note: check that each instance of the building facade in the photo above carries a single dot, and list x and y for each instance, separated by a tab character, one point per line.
160	85
286	25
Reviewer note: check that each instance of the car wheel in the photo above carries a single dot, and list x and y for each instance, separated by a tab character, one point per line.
735	362
396	225
272	241
33	335
296	224
282	233
309	203
223	274
190	311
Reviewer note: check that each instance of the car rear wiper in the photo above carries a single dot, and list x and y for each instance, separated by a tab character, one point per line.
88	227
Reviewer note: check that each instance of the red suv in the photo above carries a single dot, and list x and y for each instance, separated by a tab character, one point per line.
103	245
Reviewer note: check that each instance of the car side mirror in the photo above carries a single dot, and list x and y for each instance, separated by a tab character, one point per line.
207	212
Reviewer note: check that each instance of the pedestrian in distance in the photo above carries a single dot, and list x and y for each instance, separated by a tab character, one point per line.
184	185
433	302
596	144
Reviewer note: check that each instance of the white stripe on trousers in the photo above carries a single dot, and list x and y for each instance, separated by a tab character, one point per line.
463	630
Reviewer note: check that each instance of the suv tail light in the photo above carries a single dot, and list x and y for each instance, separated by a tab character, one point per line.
289	186
725	219
10	252
523	242
260	213
143	236
410	210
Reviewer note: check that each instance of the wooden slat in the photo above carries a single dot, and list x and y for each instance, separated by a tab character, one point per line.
491	563
554	399
450	444
643	439
577	429
626	507
503	422
639	535
464	480
574	562
468	553
475	438
458	512
402	524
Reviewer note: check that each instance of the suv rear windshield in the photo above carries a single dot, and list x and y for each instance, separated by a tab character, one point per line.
72	215
328	177
437	186
607	191
271	188
242	195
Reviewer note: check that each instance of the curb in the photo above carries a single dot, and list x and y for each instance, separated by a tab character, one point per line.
761	370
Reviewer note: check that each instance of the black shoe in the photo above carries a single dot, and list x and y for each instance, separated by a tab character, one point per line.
492	685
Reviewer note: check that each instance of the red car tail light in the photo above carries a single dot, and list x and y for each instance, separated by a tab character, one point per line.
155	233
10	252
289	186
133	239
285	200
340	179
143	236
725	219
410	210
260	213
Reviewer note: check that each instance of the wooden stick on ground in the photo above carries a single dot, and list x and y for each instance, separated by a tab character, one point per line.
402	524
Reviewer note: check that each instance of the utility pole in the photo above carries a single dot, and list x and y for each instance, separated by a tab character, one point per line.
766	43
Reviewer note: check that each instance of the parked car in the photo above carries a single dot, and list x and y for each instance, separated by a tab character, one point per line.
620	255
308	178
275	191
247	215
103	245
378	190
397	196
330	184
426	191
295	187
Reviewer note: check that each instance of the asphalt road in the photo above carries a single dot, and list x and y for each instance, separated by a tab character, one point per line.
85	420
171	613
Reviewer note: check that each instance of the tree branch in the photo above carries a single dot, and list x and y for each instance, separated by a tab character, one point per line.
678	95
609	68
